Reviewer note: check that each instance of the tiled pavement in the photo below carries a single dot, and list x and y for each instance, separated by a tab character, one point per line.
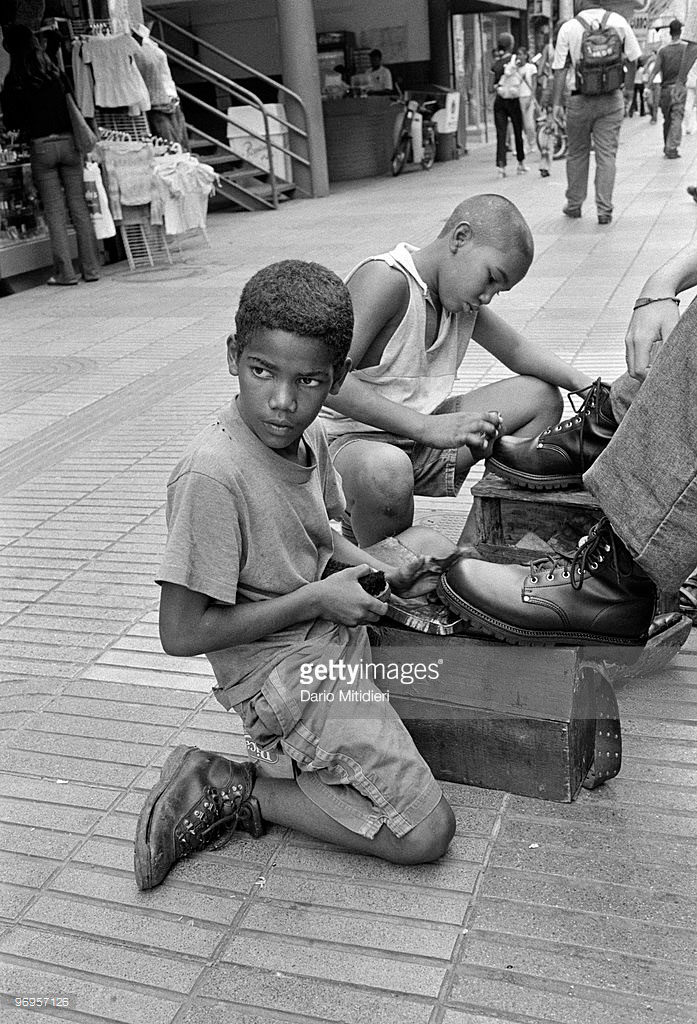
540	912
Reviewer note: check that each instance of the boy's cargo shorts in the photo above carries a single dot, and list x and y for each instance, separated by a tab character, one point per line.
354	758
435	474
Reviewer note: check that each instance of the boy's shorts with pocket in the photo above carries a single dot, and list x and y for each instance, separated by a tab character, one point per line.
354	758
435	469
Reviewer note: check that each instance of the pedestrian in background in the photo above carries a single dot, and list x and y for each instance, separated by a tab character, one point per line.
638	97
668	61
528	102
689	118
593	117
33	100
507	80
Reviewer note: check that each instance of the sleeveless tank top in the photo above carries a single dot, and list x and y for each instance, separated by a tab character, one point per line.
408	373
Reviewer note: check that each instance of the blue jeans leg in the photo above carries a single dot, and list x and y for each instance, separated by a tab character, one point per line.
57	172
646	479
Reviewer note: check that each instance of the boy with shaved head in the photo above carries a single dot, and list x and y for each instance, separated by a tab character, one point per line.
395	428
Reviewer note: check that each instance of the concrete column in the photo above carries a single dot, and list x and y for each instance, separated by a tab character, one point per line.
296	23
566	10
439	39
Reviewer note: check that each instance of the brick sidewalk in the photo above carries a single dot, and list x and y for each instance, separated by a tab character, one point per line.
539	912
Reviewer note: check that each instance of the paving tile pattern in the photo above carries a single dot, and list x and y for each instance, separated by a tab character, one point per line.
540	912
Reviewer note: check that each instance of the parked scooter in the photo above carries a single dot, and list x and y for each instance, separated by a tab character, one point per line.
416	142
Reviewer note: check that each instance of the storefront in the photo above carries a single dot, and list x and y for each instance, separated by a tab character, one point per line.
139	171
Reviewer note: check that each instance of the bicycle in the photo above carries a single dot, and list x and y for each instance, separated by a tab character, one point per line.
407	145
552	140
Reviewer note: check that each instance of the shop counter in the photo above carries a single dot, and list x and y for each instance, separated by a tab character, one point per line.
359	134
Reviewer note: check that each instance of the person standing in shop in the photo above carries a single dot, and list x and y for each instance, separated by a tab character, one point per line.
379	78
33	101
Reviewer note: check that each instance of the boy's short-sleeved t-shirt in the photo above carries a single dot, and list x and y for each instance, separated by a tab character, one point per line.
245	524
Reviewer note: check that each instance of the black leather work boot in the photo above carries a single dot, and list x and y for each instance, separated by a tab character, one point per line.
201	798
598	596
560	455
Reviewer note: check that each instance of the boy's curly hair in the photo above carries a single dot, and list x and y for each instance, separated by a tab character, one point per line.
301	298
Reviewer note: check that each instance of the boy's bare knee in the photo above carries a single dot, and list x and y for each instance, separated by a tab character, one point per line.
429	840
390	481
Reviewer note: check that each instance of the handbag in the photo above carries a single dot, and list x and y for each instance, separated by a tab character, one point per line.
97	203
510	82
85	139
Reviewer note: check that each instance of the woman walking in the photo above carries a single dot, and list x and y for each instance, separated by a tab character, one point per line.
33	100
507	83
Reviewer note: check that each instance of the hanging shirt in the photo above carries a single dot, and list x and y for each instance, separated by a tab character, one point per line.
83	79
154	67
181	187
117	80
129	170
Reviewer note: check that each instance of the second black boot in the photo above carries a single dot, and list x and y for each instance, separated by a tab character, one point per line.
560	455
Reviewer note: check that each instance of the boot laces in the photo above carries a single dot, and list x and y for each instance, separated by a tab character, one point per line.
218	815
591	399
597	548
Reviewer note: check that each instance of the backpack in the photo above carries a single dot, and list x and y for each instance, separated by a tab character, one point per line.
600	67
508	85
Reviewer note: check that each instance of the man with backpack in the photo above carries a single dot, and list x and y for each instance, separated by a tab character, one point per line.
598	44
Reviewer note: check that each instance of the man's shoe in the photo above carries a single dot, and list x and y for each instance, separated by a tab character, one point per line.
692	191
572	211
201	798
560	455
604	218
672	154
598	596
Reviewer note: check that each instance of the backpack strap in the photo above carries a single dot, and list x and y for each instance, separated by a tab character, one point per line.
606	17
586	24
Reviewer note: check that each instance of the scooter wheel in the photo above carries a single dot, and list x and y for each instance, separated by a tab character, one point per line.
399	157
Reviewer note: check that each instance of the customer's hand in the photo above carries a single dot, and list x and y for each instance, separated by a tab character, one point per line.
559	113
648	329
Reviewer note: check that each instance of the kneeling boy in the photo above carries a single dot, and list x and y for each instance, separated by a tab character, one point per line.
248	513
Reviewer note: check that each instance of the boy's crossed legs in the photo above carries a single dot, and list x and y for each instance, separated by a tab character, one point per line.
381	473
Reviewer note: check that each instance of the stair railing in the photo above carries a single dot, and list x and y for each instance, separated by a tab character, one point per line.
295	131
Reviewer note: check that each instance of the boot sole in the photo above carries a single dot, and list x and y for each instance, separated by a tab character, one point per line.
141	850
533	482
525	637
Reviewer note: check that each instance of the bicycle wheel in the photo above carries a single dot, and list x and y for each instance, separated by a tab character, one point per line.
399	157
561	144
428	159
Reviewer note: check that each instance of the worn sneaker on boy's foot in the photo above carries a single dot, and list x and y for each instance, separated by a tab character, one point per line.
572	211
560	455
201	797
522	168
598	596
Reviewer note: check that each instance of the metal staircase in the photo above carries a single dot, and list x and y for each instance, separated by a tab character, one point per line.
250	181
